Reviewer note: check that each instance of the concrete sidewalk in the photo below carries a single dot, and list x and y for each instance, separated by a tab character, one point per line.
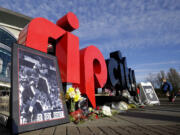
154	120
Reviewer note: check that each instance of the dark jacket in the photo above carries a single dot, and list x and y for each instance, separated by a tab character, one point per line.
167	86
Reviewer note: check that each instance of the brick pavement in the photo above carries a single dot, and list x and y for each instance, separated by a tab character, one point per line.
156	120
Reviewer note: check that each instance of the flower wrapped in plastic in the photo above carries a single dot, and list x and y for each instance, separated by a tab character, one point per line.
106	110
77	116
73	95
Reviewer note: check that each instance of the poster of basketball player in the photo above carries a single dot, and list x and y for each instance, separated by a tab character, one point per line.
38	86
150	93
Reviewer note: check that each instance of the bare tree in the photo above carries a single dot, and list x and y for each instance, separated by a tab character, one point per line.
159	77
152	78
174	77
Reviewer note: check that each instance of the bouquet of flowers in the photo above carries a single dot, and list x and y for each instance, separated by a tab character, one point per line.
72	96
106	110
77	116
99	112
109	92
93	113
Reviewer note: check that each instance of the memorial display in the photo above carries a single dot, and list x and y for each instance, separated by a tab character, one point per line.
36	90
36	99
85	68
37	35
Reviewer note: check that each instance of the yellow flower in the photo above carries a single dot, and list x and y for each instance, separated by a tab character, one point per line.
90	109
70	90
72	94
76	98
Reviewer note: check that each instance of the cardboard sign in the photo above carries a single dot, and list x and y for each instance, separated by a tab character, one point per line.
147	94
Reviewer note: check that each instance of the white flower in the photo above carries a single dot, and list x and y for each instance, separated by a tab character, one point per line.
123	105
106	110
72	94
81	98
90	109
78	91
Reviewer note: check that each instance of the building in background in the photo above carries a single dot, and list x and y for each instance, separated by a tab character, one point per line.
11	23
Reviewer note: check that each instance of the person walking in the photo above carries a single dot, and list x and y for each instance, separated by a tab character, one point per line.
168	89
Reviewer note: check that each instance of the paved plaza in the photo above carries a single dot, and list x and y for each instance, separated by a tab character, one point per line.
151	120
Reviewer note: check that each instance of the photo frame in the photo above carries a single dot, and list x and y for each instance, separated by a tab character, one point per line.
37	92
148	94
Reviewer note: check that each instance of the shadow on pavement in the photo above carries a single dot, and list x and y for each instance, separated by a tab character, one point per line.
165	109
152	116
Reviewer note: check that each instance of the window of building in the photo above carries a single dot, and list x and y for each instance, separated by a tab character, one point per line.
1	65
6	38
6	42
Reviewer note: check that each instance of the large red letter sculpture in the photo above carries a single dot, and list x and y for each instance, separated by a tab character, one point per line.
67	52
37	35
67	49
94	72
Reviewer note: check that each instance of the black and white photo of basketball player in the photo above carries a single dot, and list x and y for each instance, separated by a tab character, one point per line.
150	93
39	92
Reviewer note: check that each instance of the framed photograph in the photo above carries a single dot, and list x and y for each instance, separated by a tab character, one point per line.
148	94
37	93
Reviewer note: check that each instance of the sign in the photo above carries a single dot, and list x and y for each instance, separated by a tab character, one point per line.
147	94
85	67
40	32
36	91
119	76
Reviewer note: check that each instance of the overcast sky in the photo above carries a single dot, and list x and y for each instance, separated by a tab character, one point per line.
147	32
